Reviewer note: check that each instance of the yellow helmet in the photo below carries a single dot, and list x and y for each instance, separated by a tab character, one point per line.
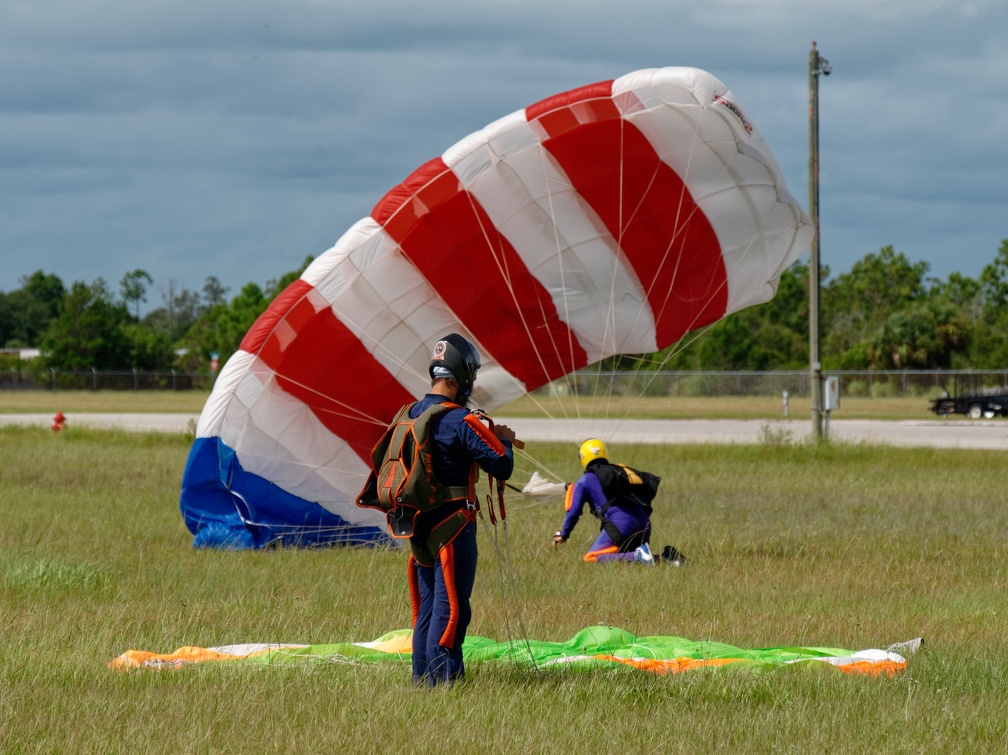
591	450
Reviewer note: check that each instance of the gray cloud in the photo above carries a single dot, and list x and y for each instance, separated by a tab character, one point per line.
234	138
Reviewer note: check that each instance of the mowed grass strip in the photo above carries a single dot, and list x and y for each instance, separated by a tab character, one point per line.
851	546
102	402
624	407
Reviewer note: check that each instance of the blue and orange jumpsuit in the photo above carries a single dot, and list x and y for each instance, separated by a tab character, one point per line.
623	527
441	582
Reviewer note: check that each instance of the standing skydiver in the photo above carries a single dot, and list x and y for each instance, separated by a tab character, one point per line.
443	553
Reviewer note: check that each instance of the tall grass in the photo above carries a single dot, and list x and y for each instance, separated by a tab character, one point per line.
850	546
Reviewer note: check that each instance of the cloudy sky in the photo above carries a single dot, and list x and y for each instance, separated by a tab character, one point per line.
235	137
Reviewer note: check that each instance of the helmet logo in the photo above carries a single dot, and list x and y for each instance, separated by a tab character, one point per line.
439	350
592	449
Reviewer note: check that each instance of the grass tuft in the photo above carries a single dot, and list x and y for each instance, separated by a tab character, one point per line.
46	576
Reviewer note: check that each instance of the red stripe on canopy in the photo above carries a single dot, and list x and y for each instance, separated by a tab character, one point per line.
449	238
319	361
664	235
277	310
566	106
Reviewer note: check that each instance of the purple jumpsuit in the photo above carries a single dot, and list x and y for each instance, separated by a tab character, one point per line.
623	527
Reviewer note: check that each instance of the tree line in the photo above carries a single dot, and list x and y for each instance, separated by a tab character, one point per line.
91	326
885	313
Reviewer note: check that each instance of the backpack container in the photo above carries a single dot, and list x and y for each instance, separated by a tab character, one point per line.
402	482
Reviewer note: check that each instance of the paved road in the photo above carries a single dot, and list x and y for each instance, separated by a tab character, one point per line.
936	433
941	433
168	423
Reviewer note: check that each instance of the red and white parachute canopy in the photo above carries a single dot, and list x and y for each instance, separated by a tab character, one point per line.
611	219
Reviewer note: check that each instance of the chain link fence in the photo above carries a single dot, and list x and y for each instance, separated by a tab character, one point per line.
16	379
861	383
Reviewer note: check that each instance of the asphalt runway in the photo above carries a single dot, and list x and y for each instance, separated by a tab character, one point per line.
938	433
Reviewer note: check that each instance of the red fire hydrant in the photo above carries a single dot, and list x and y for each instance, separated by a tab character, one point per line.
58	421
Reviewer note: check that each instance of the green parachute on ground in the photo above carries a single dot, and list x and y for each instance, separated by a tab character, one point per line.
592	647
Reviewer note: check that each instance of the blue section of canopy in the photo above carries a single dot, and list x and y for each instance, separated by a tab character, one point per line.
226	507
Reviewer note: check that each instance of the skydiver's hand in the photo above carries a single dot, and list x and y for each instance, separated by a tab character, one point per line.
558	539
504	432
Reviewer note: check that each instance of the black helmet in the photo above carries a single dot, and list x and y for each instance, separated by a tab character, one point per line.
459	357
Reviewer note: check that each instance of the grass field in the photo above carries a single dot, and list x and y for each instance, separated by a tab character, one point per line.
849	546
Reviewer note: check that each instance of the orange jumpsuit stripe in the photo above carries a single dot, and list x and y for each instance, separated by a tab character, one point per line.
448	572
485	435
593	555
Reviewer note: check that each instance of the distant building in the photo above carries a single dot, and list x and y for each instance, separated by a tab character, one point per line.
24	355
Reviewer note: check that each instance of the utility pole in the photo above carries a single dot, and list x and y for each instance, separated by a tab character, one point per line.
817	65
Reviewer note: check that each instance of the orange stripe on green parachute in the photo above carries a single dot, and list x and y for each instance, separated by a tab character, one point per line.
592	647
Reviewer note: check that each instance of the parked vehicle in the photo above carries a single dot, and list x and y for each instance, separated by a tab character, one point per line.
972	398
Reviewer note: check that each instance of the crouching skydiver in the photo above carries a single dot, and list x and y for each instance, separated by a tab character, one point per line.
620	498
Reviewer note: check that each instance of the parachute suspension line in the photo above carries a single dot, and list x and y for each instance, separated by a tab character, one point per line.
551	578
500	259
445	303
609	336
515	627
382	349
504	562
679	228
544	163
760	237
522	628
547	472
638	366
352	412
349	530
247	454
551	474
621	225
669	256
759	241
505	566
683	223
510	589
